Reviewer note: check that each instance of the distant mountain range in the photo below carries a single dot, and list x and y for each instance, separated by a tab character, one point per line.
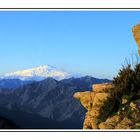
46	104
42	97
40	73
12	83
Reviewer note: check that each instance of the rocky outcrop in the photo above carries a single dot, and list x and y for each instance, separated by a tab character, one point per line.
136	34
100	107
93	101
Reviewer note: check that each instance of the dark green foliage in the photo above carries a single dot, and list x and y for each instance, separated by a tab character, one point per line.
126	85
106	109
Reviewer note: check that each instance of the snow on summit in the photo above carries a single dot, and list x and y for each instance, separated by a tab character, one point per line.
38	73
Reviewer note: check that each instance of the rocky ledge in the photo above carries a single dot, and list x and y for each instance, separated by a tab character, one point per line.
93	102
100	109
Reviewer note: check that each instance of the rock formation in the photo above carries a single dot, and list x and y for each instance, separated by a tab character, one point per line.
93	101
100	109
136	34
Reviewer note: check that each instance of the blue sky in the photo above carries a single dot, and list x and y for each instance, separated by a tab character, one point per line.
86	42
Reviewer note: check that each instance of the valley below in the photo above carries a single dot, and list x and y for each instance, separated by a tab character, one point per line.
44	104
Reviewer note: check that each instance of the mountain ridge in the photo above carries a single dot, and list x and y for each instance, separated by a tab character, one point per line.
50	99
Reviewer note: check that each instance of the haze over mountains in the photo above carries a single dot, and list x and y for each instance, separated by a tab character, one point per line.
47	103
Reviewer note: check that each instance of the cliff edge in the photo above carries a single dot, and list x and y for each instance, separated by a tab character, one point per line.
93	101
101	109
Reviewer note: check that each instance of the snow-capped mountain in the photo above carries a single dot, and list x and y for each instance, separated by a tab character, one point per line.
39	73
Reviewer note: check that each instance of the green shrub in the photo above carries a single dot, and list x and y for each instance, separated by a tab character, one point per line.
126	85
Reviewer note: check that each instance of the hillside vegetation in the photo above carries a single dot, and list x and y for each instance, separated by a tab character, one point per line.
116	106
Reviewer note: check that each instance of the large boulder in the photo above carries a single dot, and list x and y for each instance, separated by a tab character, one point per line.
93	101
85	98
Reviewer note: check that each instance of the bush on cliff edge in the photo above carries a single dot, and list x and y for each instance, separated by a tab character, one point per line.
126	86
127	83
